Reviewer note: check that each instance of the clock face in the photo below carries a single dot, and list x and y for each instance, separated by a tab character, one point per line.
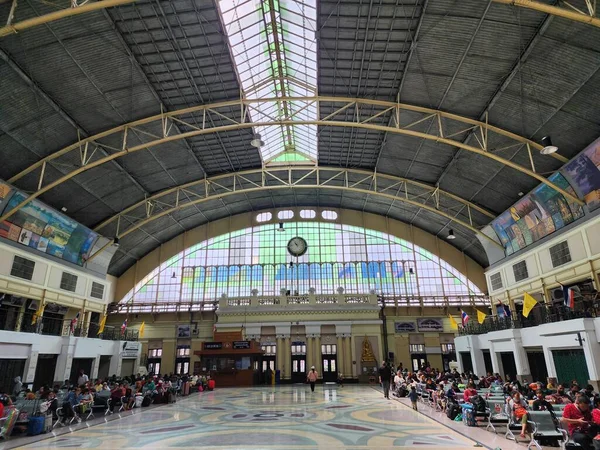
297	246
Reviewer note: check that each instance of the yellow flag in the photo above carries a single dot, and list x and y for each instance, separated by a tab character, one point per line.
141	331
102	324
453	323
528	303
38	314
481	316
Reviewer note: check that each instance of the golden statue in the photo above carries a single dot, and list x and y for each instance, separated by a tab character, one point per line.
367	351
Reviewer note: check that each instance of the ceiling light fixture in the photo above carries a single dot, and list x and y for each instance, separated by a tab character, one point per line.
257	141
116	241
451	235
173	276
280	227
411	271
64	209
548	147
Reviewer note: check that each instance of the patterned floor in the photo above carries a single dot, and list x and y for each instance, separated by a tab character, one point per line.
282	417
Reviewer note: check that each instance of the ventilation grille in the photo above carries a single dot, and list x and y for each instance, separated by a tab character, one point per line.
97	290
68	282
520	271
560	254
22	268
496	281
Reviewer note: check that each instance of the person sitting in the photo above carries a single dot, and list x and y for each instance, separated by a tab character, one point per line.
72	399
129	399
518	407
115	395
540	403
578	418
98	385
470	391
596	411
552	386
589	391
5	404
561	397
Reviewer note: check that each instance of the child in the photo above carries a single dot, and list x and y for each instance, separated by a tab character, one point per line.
413	397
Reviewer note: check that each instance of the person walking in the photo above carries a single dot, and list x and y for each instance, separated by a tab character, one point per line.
385	377
312	377
413	396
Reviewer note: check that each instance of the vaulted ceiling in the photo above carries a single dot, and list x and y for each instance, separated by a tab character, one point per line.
521	70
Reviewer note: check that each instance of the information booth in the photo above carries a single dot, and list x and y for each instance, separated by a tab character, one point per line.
229	360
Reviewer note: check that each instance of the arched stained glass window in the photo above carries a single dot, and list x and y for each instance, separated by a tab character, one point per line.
357	259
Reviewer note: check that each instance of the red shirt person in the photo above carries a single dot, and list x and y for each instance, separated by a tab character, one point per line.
578	417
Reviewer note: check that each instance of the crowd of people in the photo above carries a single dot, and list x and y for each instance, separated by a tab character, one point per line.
70	401
581	413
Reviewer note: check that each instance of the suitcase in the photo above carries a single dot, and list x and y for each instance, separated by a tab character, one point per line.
48	422
35	425
452	411
171	397
469	417
185	390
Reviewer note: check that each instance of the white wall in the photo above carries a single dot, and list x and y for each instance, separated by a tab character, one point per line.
47	276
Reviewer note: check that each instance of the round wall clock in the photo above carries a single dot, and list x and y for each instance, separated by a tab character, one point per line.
297	246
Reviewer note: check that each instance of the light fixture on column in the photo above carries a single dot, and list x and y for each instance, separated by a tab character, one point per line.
411	271
280	227
451	235
291	264
257	141
548	147
116	241
173	276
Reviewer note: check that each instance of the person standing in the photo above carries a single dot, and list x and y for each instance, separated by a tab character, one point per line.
82	379
17	387
385	377
312	377
413	396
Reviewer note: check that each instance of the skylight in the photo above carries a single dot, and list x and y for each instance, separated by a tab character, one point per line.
275	52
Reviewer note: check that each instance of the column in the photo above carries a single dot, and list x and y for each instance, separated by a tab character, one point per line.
95	367
476	356
287	355
347	358
521	361
309	352
549	358
167	363
279	356
591	350
31	365
64	360
353	357
496	363
340	355
317	355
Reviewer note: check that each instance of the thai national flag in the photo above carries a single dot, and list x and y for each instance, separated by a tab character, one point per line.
124	326
464	317
569	295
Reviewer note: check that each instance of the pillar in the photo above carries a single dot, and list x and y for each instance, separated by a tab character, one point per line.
549	358
309	352
476	356
340	355
287	355
496	362
64	360
167	363
353	357
31	365
348	357
521	361
279	360
95	367
591	350
317	355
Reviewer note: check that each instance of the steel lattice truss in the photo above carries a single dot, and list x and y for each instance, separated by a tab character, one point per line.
296	177
151	132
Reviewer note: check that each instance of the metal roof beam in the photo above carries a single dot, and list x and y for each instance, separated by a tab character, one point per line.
590	16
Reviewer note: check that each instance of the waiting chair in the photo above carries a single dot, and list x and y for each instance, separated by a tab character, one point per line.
496	415
544	427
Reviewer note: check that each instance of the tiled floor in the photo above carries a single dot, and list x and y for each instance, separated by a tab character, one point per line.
283	417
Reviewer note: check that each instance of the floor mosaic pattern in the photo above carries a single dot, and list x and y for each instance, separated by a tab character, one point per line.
282	417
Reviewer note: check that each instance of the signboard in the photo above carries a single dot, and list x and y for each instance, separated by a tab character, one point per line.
130	349
241	345
213	345
298	343
404	327
183	331
430	324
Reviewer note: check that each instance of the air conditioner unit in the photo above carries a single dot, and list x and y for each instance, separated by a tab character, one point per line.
557	295
195	332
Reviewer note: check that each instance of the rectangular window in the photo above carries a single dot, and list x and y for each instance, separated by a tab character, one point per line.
496	281
22	268
68	282
97	290
447	348
520	271
560	254
417	348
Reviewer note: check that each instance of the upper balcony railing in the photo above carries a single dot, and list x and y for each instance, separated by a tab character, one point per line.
316	300
540	316
14	320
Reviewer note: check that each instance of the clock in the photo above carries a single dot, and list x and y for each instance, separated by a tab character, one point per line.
297	246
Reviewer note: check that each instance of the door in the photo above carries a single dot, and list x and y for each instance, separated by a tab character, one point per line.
9	369
44	371
467	362
487	362
537	365
104	366
329	368
298	362
571	365
81	363
509	365
418	360
127	367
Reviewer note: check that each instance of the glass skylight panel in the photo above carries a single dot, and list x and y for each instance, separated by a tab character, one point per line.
274	49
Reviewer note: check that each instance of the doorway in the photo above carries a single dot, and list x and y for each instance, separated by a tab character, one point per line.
508	365
78	364
571	365
537	365
329	360
487	362
104	367
9	369
418	360
467	362
44	371
298	362
127	367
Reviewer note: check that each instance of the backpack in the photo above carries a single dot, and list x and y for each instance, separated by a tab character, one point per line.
452	411
147	401
478	403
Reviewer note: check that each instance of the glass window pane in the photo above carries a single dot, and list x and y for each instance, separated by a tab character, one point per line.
302	366
325	365
295	365
333	365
